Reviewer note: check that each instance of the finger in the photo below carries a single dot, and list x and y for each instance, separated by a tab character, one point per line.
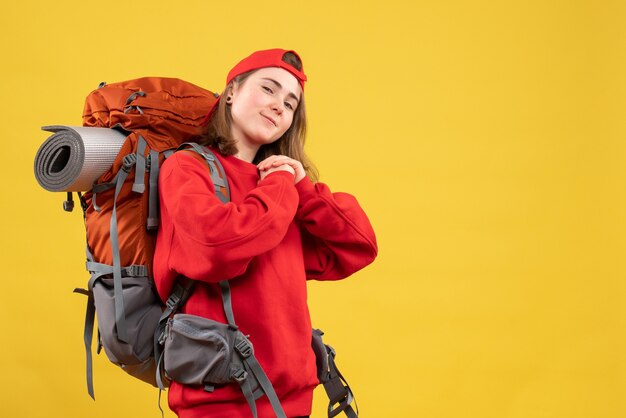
263	163
285	160
281	161
274	162
296	165
267	162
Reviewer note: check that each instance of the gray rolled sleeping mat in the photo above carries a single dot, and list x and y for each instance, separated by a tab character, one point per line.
73	157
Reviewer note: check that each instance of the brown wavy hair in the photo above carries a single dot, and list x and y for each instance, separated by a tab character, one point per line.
216	133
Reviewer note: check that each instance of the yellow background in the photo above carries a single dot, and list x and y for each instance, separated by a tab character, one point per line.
485	139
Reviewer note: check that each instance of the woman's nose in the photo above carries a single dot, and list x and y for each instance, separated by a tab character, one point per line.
278	107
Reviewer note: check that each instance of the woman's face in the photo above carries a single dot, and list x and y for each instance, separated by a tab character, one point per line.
263	106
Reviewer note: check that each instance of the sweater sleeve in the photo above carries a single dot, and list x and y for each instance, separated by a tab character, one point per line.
337	236
212	241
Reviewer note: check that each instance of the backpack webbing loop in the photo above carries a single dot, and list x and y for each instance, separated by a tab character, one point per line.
134	95
153	198
98	188
140	166
338	391
90	314
159	373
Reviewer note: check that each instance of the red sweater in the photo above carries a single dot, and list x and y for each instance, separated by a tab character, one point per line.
267	241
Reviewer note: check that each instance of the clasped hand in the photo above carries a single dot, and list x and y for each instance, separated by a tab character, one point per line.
281	163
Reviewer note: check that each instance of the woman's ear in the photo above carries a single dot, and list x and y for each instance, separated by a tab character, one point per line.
231	90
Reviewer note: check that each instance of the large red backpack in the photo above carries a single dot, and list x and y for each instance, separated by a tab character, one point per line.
121	213
158	116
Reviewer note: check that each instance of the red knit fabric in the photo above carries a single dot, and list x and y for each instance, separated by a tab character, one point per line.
267	241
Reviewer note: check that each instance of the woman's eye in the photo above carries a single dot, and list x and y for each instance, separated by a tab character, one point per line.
288	106
267	89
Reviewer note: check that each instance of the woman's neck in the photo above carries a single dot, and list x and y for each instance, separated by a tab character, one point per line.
246	151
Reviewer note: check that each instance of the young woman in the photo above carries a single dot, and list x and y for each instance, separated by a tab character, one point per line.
280	228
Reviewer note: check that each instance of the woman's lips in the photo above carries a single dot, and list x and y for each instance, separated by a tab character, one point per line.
269	118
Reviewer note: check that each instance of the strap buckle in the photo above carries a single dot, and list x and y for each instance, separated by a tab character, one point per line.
135	271
341	404
172	301
239	374
128	161
244	347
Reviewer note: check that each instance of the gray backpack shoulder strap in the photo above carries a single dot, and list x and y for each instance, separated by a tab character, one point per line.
217	172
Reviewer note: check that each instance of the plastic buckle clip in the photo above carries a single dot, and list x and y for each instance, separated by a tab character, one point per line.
128	162
172	301
134	271
244	347
342	404
239	375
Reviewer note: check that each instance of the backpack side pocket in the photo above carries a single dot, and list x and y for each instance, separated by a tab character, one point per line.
198	350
